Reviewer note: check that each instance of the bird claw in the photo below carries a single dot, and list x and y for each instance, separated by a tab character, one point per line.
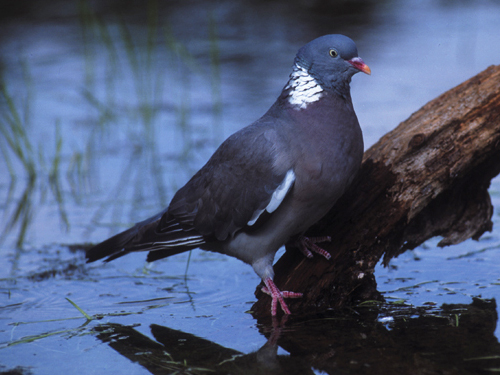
284	293
307	245
278	296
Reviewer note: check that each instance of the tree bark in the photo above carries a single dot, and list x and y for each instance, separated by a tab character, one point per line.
427	177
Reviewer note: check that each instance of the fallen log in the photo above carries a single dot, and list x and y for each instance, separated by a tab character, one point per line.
427	177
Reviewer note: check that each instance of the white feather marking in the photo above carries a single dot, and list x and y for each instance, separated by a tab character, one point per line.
175	230
306	86
278	195
194	240
255	217
304	89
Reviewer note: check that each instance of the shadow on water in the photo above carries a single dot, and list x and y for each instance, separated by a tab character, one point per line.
387	339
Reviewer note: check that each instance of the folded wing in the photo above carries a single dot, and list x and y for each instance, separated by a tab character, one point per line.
229	193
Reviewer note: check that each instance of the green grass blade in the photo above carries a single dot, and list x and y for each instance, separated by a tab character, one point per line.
88	317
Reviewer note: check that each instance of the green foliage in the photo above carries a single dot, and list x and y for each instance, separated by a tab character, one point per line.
114	51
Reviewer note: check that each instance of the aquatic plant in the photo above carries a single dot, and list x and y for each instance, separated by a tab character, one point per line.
128	76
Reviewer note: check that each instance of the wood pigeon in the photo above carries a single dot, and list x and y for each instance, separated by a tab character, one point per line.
270	181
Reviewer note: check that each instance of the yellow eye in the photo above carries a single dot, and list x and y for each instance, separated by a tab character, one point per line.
333	53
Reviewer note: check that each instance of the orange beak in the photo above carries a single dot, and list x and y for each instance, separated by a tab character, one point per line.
360	65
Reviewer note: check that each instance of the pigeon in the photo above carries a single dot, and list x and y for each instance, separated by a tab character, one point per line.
269	182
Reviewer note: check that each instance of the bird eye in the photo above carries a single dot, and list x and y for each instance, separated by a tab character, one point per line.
333	53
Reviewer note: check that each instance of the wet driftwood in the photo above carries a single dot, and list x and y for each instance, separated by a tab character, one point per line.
428	177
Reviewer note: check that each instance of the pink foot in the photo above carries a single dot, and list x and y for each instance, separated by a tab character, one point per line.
277	295
307	245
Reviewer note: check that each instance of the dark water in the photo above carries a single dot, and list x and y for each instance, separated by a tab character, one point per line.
107	109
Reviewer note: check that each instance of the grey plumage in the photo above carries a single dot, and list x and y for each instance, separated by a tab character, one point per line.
267	183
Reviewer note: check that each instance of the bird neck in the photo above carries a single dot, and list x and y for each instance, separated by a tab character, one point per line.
303	89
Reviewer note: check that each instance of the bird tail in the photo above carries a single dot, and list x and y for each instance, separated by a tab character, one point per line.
144	236
113	247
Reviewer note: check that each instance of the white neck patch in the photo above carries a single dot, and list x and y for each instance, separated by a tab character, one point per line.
304	89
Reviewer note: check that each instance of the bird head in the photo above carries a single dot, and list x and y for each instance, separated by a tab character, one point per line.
332	60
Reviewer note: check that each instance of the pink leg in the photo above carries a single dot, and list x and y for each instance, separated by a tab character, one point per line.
308	244
278	295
